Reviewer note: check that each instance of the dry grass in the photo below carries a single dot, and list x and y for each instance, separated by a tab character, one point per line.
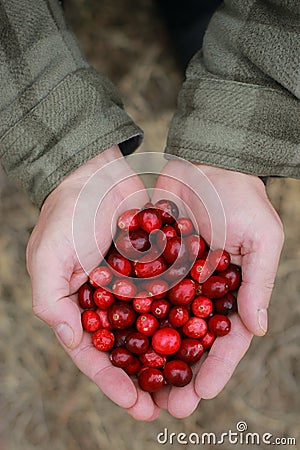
45	402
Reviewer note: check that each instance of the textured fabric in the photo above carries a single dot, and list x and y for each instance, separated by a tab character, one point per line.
56	112
239	106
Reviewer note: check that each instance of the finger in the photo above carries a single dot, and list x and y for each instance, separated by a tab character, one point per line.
161	397
222	360
111	380
259	267
144	407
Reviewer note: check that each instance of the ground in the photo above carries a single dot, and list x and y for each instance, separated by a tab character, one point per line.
45	402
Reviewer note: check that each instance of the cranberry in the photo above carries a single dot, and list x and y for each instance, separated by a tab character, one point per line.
190	351
142	302
219	259
208	340
150	268
168	231
100	276
215	287
124	290
121	357
121	335
121	315
149	219
166	341
219	325
134	367
178	316
90	320
147	324
152	359
202	307
150	379
174	249
129	244
169	211
120	264
137	343
201	270
156	288
103	340
103	298
183	292
225	305
177	373
195	246
129	220
160	308
177	271
104	321
184	226
85	296
195	328
233	276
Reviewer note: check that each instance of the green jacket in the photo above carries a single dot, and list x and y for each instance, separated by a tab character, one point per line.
238	108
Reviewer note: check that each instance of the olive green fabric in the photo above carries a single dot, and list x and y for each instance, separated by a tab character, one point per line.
239	106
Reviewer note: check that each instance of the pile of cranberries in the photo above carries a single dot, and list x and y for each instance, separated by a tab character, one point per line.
160	297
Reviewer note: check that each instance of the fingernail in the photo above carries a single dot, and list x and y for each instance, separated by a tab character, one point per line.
262	318
65	334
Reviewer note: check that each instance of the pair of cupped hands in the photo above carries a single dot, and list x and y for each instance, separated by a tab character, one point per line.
254	239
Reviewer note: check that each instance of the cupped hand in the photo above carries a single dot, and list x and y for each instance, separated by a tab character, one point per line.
72	232
253	235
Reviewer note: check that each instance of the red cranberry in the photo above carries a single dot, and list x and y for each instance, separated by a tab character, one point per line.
142	302
160	308
219	325
169	232
195	246
195	328
150	379
103	298
121	357
100	276
190	351
202	307
150	268
177	373
174	249
177	271
129	244
233	276
103	340
169	211
178	316
124	290
215	287
166	341
152	359
134	367
147	324
137	343
120	264
219	259
121	315
225	305
201	270
149	219
90	320
156	288
208	340
104	321
129	220
121	335
85	296
184	226
182	293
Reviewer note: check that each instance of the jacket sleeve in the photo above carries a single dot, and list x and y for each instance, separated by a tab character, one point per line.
56	111
239	106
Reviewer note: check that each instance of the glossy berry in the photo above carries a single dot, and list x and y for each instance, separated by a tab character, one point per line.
150	268
190	350
202	307
128	220
149	220
169	232
121	357
184	226
201	270
208	340
85	296
121	315
169	211
124	289
225	305
121	335
147	324
120	264
195	246
177	373
101	276
160	308
104	320
166	341
233	276
178	316
103	340
182	293
134	367
195	328
90	320
215	287
219	259
142	302
153	359
156	288
150	379
219	325
103	298
173	250
177	271
137	343
129	244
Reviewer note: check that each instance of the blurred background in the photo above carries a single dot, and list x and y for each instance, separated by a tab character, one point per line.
45	402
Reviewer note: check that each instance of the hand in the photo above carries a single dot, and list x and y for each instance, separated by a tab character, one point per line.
254	238
62	245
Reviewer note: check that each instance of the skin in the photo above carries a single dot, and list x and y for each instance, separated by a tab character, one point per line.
254	239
